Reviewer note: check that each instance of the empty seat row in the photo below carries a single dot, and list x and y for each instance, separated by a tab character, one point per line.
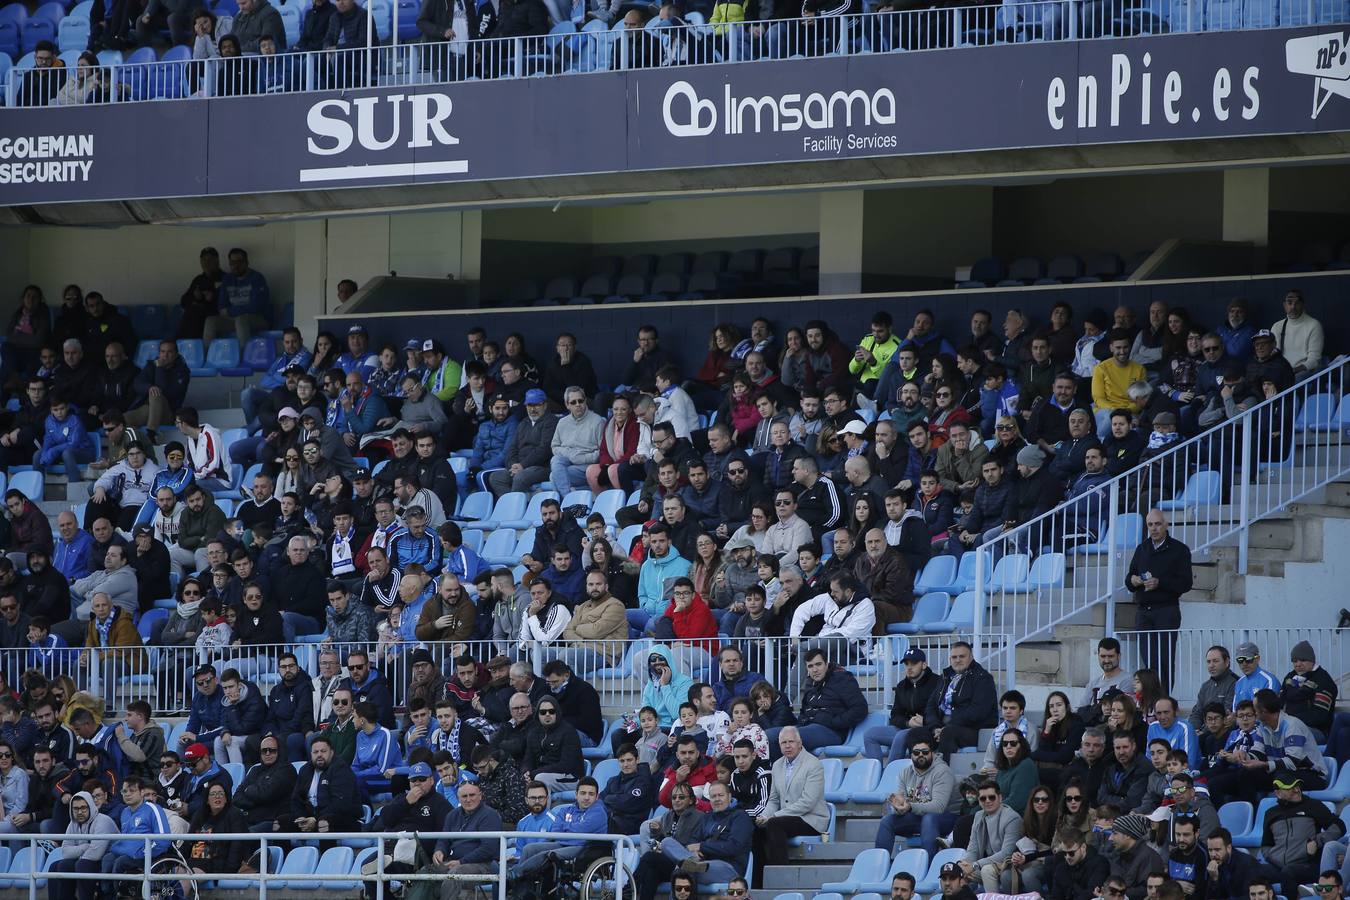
222	357
1028	270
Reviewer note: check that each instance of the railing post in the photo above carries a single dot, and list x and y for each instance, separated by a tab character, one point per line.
1248	468
977	624
379	868
262	869
501	867
1113	507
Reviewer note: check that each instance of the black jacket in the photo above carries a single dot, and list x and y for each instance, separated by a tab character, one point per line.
1033	495
974	703
300	589
290	708
1310	698
1123	454
734	505
339	798
581	707
837	702
557	749
987	510
1170	564
821	506
1125	785
911	698
114	387
173	381
152	572
434	20
265	793
312	32
1077	882
514	18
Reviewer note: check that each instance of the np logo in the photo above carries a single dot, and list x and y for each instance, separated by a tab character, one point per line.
1326	58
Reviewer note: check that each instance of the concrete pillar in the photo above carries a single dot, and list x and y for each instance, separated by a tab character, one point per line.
311	265
1246	205
841	242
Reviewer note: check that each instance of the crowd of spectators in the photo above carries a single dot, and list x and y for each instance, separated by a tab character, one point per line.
788	515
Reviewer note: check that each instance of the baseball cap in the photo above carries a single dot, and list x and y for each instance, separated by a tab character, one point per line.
1265	334
293	369
1248	649
1285	782
419	770
535	395
853	426
357	329
195	752
361	475
288	412
431	345
914	654
1161	814
142	529
950	870
413	345
738	542
421	655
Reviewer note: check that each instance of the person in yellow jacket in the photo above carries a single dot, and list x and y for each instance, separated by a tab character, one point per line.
1111	380
873	352
726	15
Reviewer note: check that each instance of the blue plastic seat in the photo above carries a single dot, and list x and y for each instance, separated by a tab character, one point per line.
960	617
913	860
236	771
1047	572
473	539
530	516
24	859
1010	574
477	507
624	668
148	318
1251	839
861	775
499	547
805	840
29	484
627	535
1125	533
929	608
224	356
853	743
886	784
1236	816
146	351
194	355
602	750
300	861
1317	414
1339	791
335	861
928	883
524	544
834	773
509	507
581	497
870	865
965	573
290	20
259	353
938	574
149	619
1202	489
608	505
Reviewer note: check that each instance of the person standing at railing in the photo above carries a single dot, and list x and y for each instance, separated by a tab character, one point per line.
1159	573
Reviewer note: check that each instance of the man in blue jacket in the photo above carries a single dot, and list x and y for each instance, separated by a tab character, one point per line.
73	544
64	441
377	750
586	816
138	817
494	437
205	717
203	772
732	680
467	856
631	795
719	854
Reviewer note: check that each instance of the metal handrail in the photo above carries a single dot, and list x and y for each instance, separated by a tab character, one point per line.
1233	448
660	45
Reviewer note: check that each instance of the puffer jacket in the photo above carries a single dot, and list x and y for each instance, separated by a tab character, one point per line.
837	702
989	506
290	708
491	443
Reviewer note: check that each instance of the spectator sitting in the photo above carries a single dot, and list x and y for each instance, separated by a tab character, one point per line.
1012	717
1308	691
993	838
245	299
925	801
796	805
964	703
64	440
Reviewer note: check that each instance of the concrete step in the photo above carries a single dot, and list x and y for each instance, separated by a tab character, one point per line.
803	878
859	830
223	417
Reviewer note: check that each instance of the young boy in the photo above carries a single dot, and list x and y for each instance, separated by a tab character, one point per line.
768	576
688	725
448	776
44	648
650	739
216	632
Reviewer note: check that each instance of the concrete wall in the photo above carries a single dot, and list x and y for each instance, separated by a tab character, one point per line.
1123	214
926	231
152	263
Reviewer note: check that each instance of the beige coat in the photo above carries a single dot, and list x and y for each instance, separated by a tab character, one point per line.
601	626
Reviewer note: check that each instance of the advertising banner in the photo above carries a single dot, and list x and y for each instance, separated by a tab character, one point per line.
1053	94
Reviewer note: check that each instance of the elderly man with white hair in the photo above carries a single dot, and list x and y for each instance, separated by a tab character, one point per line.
796	805
299	590
576	442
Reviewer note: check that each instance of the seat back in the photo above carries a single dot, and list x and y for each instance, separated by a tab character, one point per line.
604	771
223	353
1317	411
146	351
861	775
1010	571
499	544
533	511
608	505
1127	531
931	607
938	572
192	351
259	353
1047	571
476	506
834	773
1236	816
962	613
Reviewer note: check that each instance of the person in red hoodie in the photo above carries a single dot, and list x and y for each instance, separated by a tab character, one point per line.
691	768
688	627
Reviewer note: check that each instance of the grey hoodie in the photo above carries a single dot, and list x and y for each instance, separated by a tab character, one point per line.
81	846
931	791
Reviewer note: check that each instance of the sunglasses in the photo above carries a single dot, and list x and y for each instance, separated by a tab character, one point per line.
342	703
1003	428
166	763
1247	659
919	751
548	712
203	682
267	750
1009	743
988	798
1040	800
736	471
1073	798
1324	888
782	503
735	892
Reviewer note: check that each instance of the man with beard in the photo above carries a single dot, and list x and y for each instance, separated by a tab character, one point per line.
738	494
43	591
290	710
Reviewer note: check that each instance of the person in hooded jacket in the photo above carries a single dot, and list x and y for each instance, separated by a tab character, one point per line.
265	793
665	685
553	750
80	851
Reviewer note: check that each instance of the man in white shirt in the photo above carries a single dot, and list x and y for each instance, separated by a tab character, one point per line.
847	623
205	453
1298	336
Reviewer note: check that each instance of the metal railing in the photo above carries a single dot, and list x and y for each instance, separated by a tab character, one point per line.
169	867
1332	646
601	46
162	676
1212	487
